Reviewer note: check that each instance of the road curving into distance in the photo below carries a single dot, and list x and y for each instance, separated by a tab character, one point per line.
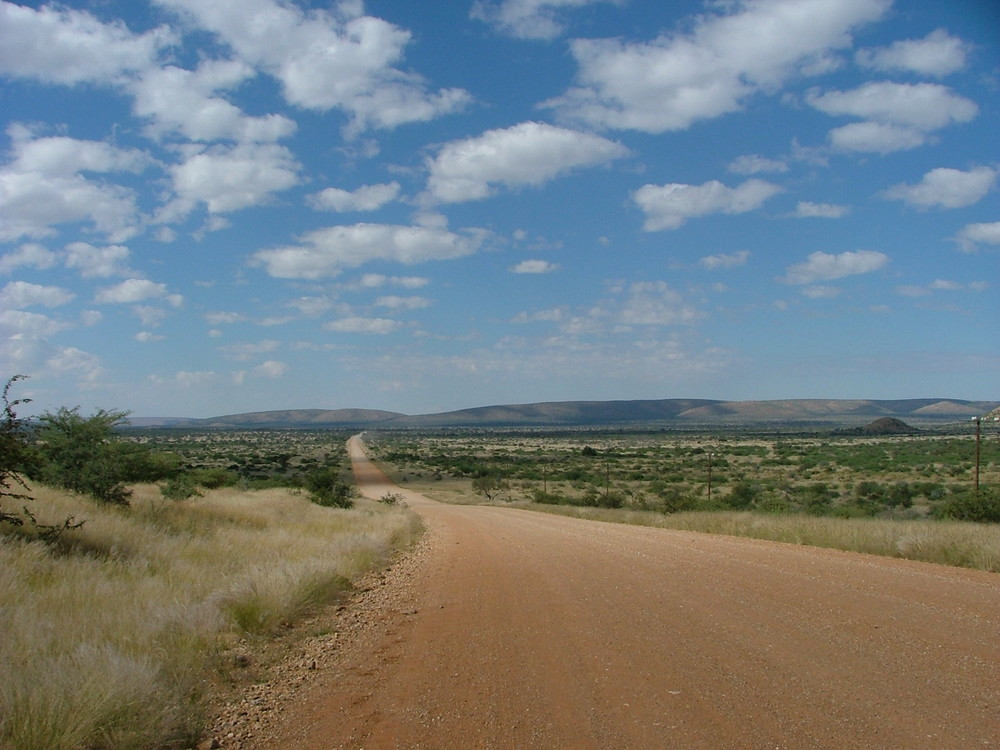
528	630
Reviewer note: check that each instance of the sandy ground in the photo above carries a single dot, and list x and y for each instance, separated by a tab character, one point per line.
513	629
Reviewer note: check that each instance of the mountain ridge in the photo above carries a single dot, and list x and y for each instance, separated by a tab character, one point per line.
674	411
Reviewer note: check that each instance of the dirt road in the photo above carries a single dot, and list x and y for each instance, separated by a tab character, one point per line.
524	630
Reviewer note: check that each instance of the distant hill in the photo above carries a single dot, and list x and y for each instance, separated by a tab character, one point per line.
664	412
883	426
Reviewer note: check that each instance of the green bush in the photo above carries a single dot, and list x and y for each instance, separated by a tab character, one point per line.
969	506
326	489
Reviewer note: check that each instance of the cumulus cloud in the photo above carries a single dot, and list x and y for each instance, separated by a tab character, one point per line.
534	266
30	254
724	261
755	164
898	116
131	291
364	198
20	294
91	261
807	210
326	252
326	59
227	179
820	266
680	78
70	46
655	303
185	102
528	19
271	369
938	54
669	206
43	185
377	326
530	153
946	188
972	235
246	351
395	302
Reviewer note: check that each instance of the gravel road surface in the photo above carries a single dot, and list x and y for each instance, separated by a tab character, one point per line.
513	629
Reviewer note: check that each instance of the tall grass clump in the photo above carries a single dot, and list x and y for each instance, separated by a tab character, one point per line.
956	543
108	637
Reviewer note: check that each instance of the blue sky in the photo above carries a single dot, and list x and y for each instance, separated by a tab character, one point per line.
240	205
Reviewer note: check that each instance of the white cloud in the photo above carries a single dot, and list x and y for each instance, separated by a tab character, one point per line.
678	79
72	360
723	261
806	210
528	19
43	186
395	302
925	106
325	252
937	54
365	198
376	326
247	351
534	266
876	137
945	187
271	369
20	294
92	261
755	164
228	179
131	291
820	292
530	153
375	280
29	254
655	303
70	46
898	116
669	206
184	102
326	59
979	234
147	337
820	266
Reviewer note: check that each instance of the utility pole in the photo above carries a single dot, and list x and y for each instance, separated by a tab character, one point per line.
710	478
978	429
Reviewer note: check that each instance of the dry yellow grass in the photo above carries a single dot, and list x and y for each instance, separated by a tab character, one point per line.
107	640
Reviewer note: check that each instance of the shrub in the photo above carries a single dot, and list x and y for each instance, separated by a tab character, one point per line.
80	454
326	489
983	507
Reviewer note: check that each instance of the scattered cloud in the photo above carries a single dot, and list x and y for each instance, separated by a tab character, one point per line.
327	59
938	54
755	164
68	47
680	78
820	266
271	369
29	255
528	19
92	261
131	291
534	266
655	303
375	326
898	116
807	210
247	351
365	198
530	153
945	188
326	252
395	302
973	235
723	261
669	206
44	185
21	294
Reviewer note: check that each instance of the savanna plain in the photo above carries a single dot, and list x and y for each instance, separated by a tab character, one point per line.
129	630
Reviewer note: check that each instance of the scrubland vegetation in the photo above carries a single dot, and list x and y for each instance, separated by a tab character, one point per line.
902	496
122	607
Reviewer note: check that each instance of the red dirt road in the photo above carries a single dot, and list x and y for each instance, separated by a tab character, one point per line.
525	630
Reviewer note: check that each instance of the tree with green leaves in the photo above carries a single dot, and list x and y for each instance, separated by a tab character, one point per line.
82	454
325	488
13	455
